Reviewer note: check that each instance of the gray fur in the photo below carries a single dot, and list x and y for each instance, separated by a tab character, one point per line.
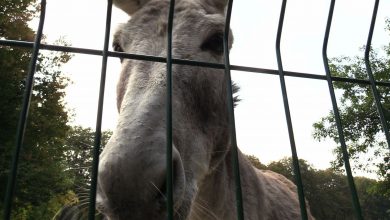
132	166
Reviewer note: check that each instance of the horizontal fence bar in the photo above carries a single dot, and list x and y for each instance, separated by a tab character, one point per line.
96	52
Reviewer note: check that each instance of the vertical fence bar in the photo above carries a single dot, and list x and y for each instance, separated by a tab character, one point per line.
98	134
23	115
169	112
351	183
297	171
232	125
371	76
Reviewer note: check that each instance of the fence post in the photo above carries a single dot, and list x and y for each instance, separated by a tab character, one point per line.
355	199
297	171
232	123
98	132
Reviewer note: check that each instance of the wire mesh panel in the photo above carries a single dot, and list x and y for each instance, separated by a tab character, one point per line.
170	61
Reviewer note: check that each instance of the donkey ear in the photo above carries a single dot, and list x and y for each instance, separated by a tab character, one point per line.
130	6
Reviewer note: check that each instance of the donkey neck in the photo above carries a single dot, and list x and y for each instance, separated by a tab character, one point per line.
217	197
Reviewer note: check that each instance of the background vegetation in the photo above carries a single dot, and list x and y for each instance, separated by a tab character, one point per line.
42	185
328	193
56	157
362	127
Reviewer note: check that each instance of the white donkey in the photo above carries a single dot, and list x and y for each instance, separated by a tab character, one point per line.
132	169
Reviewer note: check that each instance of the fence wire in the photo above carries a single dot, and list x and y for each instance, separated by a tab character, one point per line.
297	172
23	115
36	46
351	183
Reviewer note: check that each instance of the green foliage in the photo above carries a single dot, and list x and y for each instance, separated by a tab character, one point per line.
327	191
256	162
45	210
14	16
79	147
41	182
56	158
360	119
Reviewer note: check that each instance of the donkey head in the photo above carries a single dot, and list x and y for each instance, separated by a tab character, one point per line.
132	169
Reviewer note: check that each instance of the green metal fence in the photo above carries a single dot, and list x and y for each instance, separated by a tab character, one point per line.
36	46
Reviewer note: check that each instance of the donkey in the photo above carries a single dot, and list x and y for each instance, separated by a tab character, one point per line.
131	179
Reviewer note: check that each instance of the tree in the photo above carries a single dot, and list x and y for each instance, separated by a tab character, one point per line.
79	145
360	119
256	162
40	174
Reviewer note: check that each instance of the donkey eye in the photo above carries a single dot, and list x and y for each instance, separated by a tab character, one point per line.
214	43
117	48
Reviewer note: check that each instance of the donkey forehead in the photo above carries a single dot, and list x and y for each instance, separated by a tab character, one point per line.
145	33
191	20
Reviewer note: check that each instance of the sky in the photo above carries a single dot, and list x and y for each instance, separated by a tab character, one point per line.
260	119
